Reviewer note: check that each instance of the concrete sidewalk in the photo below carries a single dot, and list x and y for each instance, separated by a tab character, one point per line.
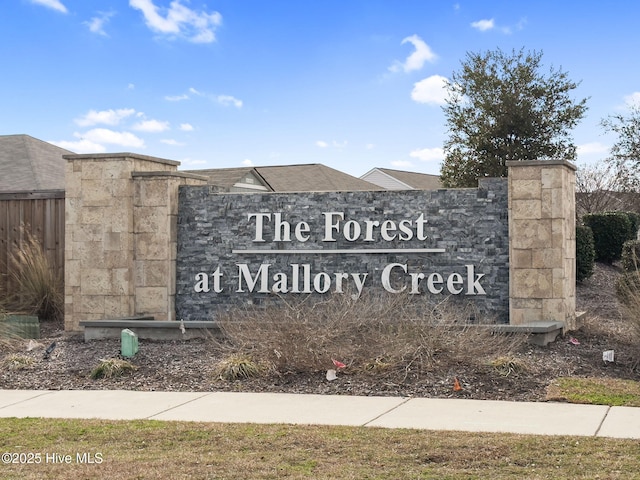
388	412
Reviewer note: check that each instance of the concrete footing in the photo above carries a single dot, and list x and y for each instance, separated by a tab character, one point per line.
148	329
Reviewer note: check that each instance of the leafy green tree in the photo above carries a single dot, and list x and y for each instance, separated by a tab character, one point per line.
625	152
501	107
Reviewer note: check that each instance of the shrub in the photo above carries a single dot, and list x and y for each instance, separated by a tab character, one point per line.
38	289
112	368
239	367
634	218
395	336
610	231
585	253
17	362
631	255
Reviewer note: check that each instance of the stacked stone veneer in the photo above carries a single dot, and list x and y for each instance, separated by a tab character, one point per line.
120	249
470	224
542	239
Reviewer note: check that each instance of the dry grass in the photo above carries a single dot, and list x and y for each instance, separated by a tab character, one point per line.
17	362
391	335
239	367
112	368
507	365
38	289
628	289
160	450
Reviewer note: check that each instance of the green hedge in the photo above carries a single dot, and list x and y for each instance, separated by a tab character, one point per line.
585	253
610	231
634	218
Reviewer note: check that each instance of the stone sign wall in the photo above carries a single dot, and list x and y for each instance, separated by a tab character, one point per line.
236	249
143	239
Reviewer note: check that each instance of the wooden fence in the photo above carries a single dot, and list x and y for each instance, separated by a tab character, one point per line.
41	213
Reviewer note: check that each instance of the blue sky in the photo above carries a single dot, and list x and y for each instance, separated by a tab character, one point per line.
352	84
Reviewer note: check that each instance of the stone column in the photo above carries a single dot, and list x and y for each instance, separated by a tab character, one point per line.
542	251
100	234
155	212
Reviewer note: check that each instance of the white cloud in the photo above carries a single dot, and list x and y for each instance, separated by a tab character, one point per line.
430	90
172	142
106	117
224	100
228	100
484	25
334	144
81	146
632	100
186	127
490	24
131	86
53	4
370	146
151	126
176	98
105	136
428	154
247	163
417	59
179	20
96	24
592	148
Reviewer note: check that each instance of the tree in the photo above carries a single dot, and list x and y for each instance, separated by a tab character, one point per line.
625	152
500	107
604	187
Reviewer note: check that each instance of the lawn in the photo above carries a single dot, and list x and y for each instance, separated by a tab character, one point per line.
154	449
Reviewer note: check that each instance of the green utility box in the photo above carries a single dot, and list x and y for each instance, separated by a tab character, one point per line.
24	326
128	343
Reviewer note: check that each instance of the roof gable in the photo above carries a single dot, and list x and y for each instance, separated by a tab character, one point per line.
29	164
402	180
312	177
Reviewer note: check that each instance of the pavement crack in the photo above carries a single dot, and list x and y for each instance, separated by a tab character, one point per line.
386	412
602	421
173	407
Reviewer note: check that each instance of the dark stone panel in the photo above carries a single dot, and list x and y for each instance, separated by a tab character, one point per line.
471	225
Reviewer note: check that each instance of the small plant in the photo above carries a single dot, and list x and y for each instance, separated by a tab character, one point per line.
112	368
17	362
377	365
506	366
239	367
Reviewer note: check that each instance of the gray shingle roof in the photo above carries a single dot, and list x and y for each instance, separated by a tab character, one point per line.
312	177
419	181
29	164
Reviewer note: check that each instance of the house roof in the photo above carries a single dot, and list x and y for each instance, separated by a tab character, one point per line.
312	177
402	179
29	164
